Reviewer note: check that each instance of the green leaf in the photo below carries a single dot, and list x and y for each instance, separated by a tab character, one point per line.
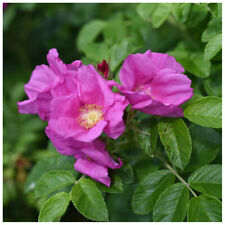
115	187
181	11
118	53
147	192
45	165
145	166
148	142
219	9
115	30
206	112
96	51
193	62
214	27
126	173
88	200
54	208
121	50
204	209
205	145
160	14
176	139
145	10
53	181
89	32
197	14
213	86
119	207
172	204
213	47
200	67
207	180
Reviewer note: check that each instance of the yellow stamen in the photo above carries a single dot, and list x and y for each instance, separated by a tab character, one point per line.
90	115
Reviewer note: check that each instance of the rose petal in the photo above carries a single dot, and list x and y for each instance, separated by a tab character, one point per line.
136	69
163	61
158	109
42	79
171	89
93	170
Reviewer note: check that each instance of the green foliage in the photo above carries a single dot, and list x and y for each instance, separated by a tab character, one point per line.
149	189
214	28
145	10
181	11
193	62
45	165
207	180
213	47
206	111
160	14
176	139
54	208
148	142
89	32
172	204
115	187
197	14
204	209
206	142
88	200
53	181
126	173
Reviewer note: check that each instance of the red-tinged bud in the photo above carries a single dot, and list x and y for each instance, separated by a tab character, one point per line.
104	68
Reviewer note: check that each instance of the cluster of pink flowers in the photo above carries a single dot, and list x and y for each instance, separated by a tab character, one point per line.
79	105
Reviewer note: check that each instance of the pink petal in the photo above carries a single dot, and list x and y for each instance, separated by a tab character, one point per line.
75	65
136	69
114	117
39	105
42	79
63	115
65	146
171	89
93	89
163	61
67	87
28	106
93	170
158	109
89	135
96	152
55	62
138	100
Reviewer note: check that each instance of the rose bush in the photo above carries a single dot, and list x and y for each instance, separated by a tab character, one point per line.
130	130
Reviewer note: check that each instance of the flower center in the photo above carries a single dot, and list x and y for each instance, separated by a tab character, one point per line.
143	88
90	115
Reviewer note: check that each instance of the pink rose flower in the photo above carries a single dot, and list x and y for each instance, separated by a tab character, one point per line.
90	110
47	82
154	83
93	159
